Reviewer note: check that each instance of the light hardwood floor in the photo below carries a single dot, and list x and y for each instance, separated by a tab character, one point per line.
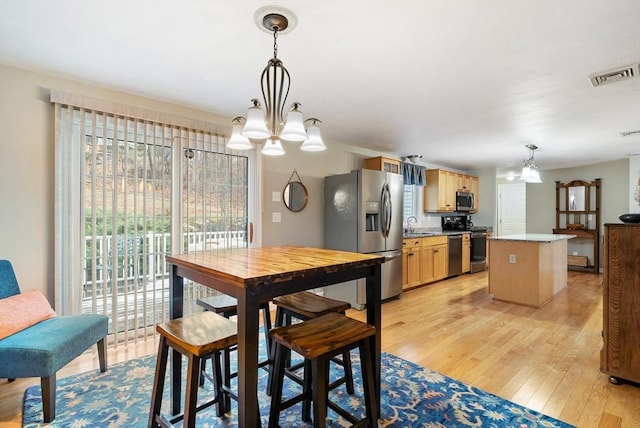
546	359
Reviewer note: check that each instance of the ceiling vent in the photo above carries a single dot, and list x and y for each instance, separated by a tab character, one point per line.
612	76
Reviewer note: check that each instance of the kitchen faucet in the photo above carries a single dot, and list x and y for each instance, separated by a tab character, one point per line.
410	224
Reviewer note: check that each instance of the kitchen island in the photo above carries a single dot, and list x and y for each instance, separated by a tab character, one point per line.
528	269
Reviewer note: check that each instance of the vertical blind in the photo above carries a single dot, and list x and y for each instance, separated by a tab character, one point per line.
128	192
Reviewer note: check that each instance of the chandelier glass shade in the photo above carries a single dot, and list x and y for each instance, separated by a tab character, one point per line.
237	141
273	125
530	173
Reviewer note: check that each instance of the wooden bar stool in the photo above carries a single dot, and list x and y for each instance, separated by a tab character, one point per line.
317	340
304	306
227	306
198	336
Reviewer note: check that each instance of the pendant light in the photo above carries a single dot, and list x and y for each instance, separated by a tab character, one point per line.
272	125
530	173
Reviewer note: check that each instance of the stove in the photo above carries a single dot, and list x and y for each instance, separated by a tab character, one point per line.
456	222
478	238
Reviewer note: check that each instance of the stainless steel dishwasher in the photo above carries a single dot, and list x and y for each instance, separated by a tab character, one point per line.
455	255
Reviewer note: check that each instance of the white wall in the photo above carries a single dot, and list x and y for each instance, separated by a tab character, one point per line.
634	180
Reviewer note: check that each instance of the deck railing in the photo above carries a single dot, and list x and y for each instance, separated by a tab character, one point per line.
134	268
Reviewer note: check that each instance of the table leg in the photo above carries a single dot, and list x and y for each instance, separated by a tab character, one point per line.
374	317
176	296
248	323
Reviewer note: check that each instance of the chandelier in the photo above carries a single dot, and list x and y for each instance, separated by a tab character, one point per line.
273	124
530	172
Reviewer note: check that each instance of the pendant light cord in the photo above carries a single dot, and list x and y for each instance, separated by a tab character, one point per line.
275	42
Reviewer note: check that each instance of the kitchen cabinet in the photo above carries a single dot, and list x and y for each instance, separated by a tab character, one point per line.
411	253
441	188
463	183
434	259
440	191
381	163
620	353
424	260
466	253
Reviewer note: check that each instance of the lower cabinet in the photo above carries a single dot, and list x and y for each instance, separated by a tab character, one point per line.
411	251
440	260
424	260
466	253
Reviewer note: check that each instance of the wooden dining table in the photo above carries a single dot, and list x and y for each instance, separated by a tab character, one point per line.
257	275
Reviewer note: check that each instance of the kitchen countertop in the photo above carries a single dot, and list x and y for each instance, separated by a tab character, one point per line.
532	237
407	235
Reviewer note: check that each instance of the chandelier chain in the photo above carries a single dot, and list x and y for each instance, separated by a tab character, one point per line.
275	43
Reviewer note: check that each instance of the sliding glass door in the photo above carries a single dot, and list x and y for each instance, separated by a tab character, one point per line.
129	192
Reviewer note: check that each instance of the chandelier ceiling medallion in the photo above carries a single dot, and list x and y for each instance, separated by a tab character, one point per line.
273	124
530	173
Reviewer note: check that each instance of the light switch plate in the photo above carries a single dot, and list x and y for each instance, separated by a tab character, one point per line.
275	217
275	196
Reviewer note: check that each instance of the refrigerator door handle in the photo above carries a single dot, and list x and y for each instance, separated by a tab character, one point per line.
386	210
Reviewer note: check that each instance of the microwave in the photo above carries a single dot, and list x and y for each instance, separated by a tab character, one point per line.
464	201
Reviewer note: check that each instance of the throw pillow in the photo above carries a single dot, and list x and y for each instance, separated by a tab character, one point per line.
23	310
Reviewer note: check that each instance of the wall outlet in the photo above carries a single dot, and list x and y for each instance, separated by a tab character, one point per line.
575	253
512	258
276	217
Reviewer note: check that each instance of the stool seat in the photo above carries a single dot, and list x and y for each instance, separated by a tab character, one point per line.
199	336
322	335
318	340
310	305
220	304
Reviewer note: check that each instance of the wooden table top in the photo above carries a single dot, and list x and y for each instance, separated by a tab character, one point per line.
247	266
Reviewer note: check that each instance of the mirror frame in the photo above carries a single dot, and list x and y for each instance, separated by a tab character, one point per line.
288	191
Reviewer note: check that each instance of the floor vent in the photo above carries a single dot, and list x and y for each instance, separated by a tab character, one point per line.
627	72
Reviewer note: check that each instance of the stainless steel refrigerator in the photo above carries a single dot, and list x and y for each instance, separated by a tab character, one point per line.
363	214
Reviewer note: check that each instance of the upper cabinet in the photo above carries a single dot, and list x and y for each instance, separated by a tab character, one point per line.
441	188
382	164
440	191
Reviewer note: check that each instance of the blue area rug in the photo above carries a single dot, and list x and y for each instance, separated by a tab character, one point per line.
412	396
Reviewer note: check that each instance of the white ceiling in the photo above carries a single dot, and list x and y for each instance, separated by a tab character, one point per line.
466	84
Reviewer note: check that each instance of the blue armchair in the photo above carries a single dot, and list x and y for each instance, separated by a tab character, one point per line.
40	350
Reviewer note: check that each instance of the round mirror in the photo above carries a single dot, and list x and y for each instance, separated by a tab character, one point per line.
295	196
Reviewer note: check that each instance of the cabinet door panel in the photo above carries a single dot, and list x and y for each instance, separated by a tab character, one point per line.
621	299
466	254
427	268
440	261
